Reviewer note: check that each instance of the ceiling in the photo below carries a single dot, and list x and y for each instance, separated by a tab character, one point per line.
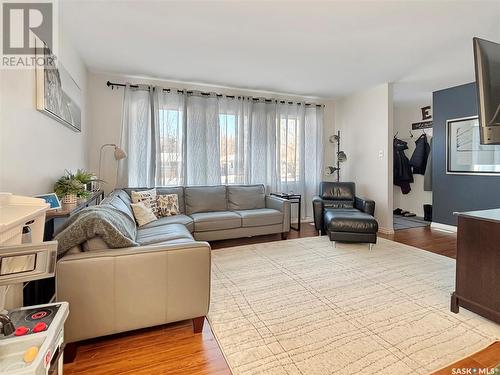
322	49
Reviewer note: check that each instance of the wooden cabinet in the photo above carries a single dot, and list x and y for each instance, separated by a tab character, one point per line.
477	285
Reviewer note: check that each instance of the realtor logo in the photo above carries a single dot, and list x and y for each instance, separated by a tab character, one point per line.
22	22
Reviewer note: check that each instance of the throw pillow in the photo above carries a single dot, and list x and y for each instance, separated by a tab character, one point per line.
142	213
148	197
168	205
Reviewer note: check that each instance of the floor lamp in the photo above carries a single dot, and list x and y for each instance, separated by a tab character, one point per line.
118	153
341	156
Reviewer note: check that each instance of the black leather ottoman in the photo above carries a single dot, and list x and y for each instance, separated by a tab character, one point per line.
350	225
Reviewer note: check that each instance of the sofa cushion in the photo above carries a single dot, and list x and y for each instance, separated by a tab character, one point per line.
247	197
115	201
176	219
349	220
207	221
179	190
260	217
160	234
148	197
168	204
205	199
122	194
143	214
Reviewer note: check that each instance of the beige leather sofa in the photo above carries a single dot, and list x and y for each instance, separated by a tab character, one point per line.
167	277
117	290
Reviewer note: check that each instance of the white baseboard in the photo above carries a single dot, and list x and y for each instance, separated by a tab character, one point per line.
386	230
444	227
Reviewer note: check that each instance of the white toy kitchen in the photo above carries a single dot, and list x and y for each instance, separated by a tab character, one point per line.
31	337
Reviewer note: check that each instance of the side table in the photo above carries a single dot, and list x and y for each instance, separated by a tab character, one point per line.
294	199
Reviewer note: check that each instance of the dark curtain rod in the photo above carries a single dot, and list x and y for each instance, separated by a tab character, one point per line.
113	85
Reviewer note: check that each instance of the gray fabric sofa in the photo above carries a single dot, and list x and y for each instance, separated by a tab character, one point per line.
212	213
167	277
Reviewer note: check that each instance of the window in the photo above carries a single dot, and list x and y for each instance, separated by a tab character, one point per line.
227	123
170	140
289	151
177	138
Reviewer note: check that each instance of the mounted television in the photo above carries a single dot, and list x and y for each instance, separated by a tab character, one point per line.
487	64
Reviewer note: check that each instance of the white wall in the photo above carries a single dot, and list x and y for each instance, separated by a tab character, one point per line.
35	150
404	115
365	122
105	115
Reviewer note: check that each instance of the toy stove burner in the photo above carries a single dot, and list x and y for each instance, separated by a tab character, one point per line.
28	321
37	315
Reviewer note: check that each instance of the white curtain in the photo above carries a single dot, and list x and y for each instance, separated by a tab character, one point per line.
180	138
300	151
262	145
202	140
170	119
137	139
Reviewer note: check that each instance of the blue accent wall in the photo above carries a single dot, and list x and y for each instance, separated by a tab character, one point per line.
451	193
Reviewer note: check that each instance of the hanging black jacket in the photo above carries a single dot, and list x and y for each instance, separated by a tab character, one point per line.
419	158
403	175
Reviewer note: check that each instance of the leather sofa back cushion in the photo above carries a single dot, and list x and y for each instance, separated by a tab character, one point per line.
122	194
247	197
337	191
118	203
205	199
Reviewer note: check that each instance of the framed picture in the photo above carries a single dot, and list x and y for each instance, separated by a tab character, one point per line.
465	154
50	198
57	93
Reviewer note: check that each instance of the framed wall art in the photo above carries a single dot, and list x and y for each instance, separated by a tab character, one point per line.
57	93
465	154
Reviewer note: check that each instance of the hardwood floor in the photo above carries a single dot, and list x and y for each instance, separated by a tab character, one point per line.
169	349
174	349
488	358
426	238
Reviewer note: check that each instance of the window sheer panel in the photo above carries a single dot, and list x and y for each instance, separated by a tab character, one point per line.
138	169
261	145
291	123
313	156
202	141
172	139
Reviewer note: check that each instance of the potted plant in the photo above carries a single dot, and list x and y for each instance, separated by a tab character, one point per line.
86	178
68	188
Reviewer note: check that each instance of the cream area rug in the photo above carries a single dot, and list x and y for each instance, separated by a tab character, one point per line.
303	307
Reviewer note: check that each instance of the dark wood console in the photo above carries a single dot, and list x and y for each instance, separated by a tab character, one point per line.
477	285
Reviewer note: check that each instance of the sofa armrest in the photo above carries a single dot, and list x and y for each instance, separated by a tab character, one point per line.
365	205
282	205
318	206
118	290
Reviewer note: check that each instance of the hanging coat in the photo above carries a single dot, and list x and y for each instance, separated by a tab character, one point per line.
402	173
428	171
419	158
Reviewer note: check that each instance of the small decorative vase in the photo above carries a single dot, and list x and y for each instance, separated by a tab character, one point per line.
70	199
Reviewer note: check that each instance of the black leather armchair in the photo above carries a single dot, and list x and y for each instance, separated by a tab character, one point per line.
342	215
